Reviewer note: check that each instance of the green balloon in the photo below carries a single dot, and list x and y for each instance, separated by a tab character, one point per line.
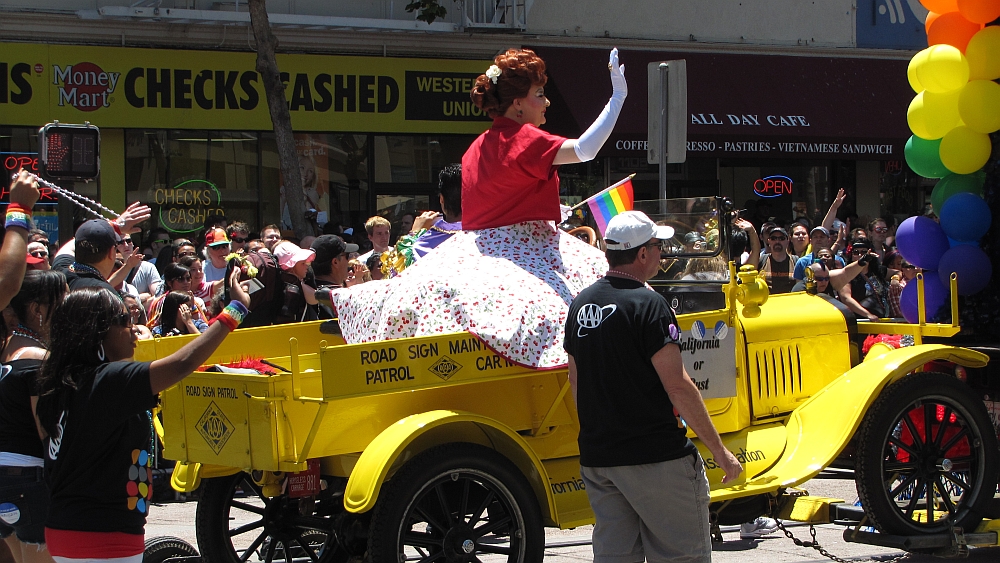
956	183
923	158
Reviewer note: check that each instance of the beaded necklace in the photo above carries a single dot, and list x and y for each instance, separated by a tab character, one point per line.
86	268
622	274
25	332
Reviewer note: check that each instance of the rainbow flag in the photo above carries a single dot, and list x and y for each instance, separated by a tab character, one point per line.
610	202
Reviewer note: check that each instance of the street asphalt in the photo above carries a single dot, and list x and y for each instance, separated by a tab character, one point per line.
572	546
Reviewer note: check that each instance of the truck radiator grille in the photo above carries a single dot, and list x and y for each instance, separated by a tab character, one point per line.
779	371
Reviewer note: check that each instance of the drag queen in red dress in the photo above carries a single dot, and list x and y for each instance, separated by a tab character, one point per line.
510	276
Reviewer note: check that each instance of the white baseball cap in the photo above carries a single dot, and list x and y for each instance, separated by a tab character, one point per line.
630	229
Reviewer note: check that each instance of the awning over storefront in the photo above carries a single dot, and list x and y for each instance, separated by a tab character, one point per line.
741	105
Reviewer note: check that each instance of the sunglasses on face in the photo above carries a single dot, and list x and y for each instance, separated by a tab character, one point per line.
127	241
159	241
881	229
777	239
821	278
860	251
40	253
123	319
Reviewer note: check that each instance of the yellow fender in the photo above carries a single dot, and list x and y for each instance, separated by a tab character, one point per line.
187	476
416	433
820	428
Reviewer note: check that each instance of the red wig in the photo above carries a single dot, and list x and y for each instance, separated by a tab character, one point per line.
520	70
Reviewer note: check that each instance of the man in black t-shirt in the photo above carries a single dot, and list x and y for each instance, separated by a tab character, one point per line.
645	479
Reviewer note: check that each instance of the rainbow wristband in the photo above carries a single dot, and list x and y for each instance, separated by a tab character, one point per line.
232	315
17	216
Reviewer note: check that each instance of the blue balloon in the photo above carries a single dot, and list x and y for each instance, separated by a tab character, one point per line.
972	266
921	241
935	295
965	217
953	243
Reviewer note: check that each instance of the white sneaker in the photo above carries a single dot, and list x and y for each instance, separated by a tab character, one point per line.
758	528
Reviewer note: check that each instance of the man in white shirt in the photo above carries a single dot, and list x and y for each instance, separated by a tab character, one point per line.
377	228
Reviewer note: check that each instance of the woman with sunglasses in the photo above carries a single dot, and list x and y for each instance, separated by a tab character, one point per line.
22	484
171	254
93	407
878	234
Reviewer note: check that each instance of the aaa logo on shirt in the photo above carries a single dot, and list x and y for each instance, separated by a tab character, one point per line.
140	483
591	315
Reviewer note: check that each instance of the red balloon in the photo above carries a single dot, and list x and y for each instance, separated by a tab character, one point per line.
951	29
979	11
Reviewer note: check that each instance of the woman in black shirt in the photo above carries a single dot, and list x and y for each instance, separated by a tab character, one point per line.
93	403
24	498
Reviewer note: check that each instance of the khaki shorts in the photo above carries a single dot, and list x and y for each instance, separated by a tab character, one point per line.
656	511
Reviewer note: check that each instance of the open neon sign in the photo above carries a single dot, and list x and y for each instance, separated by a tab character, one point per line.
773	186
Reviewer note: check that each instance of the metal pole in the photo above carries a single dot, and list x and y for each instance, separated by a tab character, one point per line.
664	69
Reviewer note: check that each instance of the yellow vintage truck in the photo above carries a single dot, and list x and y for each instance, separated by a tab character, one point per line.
437	449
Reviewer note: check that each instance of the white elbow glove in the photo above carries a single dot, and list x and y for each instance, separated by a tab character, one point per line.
594	137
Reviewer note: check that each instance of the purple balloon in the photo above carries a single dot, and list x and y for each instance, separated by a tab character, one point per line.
935	295
965	217
922	242
972	265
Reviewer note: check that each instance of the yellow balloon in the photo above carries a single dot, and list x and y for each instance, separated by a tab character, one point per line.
979	106
931	115
911	70
983	54
943	69
963	151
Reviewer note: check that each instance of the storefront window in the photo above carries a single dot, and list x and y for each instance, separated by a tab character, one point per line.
187	177
334	170
785	190
404	159
902	192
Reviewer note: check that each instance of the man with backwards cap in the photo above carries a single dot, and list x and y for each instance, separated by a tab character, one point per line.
93	260
645	479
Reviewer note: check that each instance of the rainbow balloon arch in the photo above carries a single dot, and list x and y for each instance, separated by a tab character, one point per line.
956	108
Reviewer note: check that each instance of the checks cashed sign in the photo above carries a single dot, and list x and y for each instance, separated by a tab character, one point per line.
175	89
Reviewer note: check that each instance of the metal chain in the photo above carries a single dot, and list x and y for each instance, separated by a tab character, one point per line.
80	201
814	544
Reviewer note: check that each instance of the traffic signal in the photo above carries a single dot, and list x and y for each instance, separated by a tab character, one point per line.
71	152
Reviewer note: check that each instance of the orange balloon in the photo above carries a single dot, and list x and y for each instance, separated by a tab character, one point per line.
951	29
940	6
931	16
979	11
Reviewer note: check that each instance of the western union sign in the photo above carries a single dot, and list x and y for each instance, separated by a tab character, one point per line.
172	89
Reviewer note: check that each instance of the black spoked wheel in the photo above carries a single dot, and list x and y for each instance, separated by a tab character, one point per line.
235	523
927	457
457	503
163	548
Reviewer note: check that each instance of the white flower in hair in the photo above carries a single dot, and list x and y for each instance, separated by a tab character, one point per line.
493	73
